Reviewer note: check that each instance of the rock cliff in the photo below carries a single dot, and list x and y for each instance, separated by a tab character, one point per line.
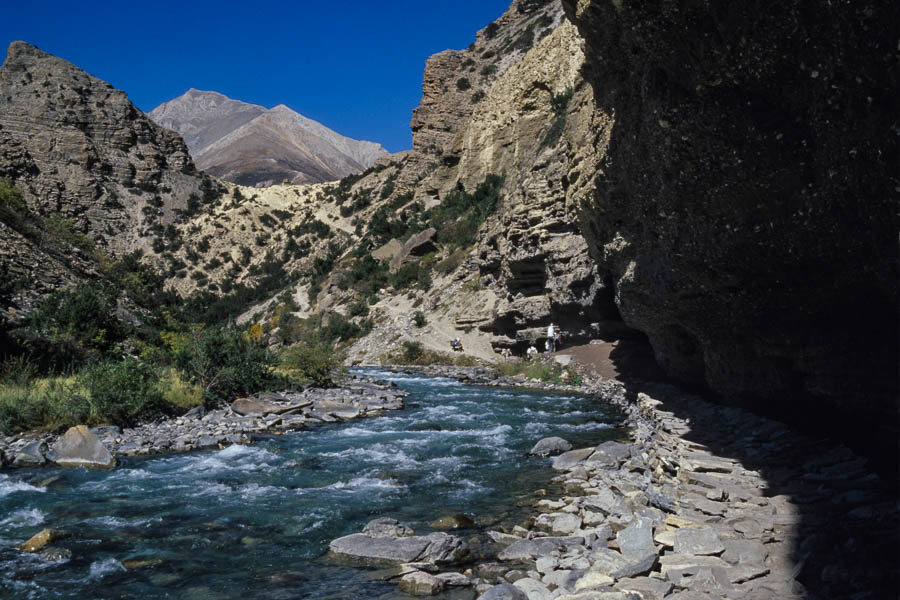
744	202
83	156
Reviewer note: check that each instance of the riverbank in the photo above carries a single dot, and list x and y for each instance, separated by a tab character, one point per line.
236	423
707	501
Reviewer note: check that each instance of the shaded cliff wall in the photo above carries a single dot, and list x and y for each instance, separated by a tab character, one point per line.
746	205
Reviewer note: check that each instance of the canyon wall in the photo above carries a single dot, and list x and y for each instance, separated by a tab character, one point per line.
745	202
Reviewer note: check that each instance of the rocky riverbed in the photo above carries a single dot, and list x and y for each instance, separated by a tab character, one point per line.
199	429
707	501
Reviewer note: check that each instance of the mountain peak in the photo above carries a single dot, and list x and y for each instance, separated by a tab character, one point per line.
251	145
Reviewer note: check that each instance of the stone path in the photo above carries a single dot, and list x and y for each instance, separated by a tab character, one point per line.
707	502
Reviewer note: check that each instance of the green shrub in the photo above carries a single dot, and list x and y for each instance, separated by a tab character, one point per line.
62	229
80	322
419	319
491	30
462	84
488	70
551	373
312	361
13	210
359	308
123	393
226	364
413	352
560	105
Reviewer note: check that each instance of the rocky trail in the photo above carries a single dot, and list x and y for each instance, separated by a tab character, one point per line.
707	502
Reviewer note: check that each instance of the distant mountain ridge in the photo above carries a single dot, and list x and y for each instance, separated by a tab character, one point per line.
249	144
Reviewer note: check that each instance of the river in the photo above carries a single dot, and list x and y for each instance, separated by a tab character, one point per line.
255	521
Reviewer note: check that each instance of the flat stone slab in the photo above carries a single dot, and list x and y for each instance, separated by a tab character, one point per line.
505	591
366	549
571	459
648	587
609	455
699	541
531	549
684	561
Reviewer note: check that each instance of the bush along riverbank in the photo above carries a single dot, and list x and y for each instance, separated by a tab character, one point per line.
200	429
706	502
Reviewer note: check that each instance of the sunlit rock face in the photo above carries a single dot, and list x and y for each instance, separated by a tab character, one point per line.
745	203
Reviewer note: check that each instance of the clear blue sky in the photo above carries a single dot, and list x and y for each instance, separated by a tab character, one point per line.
355	66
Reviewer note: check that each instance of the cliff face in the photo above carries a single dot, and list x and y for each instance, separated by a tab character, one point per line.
79	151
76	146
531	256
745	202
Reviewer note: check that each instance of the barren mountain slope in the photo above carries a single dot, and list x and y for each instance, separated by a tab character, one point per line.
251	145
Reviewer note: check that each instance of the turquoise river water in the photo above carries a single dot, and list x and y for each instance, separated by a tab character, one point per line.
255	521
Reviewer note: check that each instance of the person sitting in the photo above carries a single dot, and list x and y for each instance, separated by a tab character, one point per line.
456	344
531	352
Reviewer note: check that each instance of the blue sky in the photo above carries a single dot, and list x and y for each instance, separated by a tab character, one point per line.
354	66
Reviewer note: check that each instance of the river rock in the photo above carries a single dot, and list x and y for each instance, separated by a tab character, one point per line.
437	548
41	539
608	455
387	527
534	589
559	523
572	458
636	540
532	549
55	554
692	540
419	583
504	591
647	587
31	455
550	446
78	447
454	521
453	579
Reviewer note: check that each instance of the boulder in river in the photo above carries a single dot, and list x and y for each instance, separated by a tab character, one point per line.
454	521
609	455
41	539
550	446
419	583
437	548
387	527
569	460
78	447
31	455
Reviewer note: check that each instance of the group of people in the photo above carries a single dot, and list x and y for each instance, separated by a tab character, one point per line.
554	339
552	343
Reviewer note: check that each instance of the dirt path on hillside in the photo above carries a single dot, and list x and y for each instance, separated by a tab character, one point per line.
621	359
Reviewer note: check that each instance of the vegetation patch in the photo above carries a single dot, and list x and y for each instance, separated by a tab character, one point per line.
549	373
415	354
560	104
